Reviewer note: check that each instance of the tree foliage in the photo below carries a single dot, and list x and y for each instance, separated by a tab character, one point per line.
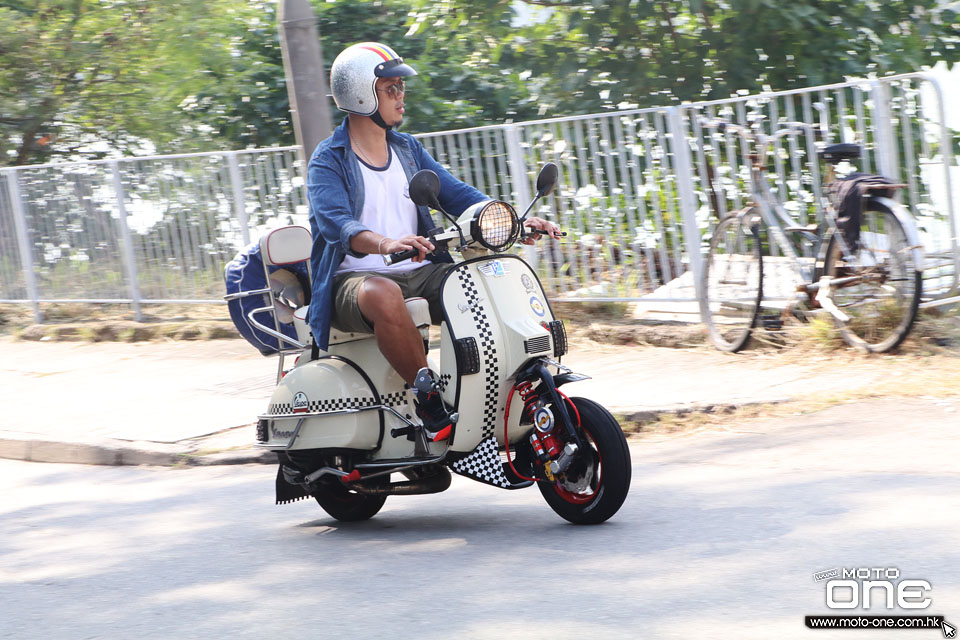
588	56
90	77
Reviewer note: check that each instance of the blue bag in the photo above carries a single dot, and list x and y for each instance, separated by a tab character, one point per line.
291	288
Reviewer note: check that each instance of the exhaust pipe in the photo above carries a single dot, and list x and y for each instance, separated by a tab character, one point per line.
417	485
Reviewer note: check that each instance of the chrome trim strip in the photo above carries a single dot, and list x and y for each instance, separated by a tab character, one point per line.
316	414
245	294
400	463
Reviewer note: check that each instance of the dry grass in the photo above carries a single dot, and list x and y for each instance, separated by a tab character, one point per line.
117	323
597	323
916	371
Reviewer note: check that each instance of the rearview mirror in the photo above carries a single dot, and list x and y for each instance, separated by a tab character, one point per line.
424	189
547	179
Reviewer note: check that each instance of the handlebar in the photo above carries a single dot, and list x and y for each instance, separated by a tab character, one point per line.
400	256
539	232
751	134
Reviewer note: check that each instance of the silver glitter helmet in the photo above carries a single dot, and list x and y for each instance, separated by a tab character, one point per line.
354	74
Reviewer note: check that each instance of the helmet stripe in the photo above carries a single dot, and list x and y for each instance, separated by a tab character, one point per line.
385	52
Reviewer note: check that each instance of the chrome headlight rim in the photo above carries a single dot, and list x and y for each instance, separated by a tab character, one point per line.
489	241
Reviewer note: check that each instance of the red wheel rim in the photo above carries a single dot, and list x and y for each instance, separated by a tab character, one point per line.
584	498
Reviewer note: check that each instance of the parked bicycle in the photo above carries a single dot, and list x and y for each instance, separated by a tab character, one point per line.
865	270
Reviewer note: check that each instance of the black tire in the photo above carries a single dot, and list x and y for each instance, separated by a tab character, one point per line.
883	304
732	282
596	484
346	505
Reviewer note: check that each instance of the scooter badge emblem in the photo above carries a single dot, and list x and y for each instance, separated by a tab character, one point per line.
527	283
300	402
467	307
543	420
537	306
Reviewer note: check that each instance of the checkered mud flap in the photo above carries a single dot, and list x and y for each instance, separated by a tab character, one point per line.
286	491
484	465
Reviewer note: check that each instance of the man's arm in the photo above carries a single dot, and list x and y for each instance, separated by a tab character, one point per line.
330	207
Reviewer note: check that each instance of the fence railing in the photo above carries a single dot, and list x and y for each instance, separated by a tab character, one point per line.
639	194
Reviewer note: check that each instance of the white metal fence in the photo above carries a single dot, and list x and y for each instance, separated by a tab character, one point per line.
639	193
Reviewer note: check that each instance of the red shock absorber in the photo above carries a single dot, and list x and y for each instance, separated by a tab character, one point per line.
525	389
526	392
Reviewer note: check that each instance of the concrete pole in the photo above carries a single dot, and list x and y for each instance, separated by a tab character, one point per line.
306	77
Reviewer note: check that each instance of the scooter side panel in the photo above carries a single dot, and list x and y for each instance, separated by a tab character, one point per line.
391	388
324	385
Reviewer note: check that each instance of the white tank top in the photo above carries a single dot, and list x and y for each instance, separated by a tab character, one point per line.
388	210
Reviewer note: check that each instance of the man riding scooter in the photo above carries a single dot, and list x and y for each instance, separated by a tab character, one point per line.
360	210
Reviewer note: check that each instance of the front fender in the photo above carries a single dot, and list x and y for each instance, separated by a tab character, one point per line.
909	227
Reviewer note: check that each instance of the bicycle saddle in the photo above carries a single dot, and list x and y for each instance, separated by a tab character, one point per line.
840	152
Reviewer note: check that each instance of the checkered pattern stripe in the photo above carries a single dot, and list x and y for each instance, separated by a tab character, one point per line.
444	380
488	353
335	404
395	400
483	464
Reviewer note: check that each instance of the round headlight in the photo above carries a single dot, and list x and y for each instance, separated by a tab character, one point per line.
495	226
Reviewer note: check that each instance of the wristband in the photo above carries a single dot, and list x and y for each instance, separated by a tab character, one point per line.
380	245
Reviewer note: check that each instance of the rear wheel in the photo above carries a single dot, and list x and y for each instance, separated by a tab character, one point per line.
595	485
732	282
346	505
882	295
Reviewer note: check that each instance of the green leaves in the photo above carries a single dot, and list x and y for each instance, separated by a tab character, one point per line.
88	77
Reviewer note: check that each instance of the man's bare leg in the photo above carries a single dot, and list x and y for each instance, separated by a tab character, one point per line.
381	303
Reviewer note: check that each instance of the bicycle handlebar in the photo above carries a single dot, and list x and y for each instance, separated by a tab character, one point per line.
752	135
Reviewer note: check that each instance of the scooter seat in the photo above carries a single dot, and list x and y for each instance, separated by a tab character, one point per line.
418	308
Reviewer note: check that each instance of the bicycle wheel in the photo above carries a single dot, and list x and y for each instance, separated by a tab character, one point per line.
732	283
882	295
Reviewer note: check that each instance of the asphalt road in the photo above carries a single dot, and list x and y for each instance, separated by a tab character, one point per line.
719	538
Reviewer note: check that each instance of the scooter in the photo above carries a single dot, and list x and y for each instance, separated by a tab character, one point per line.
342	421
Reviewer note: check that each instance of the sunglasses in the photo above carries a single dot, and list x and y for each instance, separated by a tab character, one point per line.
395	90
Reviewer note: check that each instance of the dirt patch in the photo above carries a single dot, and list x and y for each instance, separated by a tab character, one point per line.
117	323
599	323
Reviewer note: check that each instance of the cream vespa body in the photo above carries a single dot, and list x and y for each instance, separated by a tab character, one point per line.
346	398
344	424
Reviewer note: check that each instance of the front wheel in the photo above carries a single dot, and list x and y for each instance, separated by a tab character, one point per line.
733	282
878	281
595	485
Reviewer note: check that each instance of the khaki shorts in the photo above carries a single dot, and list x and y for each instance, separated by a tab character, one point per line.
423	282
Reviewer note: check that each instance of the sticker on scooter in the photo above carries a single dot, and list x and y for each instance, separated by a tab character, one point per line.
537	306
300	403
494	268
527	283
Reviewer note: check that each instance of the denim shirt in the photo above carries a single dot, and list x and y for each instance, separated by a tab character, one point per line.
335	191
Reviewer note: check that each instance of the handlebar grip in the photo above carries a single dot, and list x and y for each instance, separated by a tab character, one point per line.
400	256
541	232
